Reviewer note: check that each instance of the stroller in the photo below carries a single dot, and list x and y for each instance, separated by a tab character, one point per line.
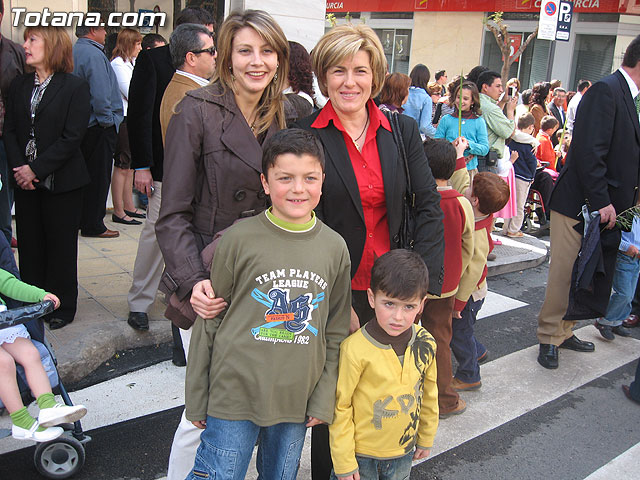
64	456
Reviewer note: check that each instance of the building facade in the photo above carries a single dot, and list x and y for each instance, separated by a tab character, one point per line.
451	35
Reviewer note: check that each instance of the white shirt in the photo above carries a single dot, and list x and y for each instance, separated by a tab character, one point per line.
301	93
203	82
124	71
571	111
632	85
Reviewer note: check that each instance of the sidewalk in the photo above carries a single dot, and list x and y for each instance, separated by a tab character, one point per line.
105	268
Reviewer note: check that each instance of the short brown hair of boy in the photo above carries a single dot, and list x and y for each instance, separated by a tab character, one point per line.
441	155
58	53
400	274
293	140
454	97
526	120
548	122
395	89
491	191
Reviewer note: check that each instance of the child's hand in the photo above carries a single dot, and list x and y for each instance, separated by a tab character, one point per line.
421	453
355	476
53	298
201	424
456	314
204	301
632	251
514	156
313	421
460	144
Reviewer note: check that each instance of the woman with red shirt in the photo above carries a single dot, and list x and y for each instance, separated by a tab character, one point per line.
362	195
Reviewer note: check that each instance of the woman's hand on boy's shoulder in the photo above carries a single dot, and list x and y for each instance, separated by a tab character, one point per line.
204	301
313	421
353	476
53	298
421	453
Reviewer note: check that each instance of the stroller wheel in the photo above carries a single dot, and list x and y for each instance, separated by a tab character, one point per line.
60	458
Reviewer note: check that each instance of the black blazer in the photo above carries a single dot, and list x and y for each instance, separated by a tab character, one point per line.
340	206
555	111
151	75
602	165
60	124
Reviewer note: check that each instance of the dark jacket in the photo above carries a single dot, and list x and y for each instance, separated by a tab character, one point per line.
12	64
211	178
151	75
526	164
61	122
340	206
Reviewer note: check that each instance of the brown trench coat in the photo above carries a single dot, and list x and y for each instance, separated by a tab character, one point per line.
212	165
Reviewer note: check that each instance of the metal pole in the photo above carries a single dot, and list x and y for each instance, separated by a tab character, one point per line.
552	52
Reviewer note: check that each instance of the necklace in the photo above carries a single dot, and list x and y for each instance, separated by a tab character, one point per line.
355	141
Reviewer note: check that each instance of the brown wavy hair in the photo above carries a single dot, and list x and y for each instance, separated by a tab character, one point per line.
58	53
475	97
125	43
271	104
395	89
300	70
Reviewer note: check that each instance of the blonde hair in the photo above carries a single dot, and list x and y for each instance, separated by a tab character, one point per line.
271	105
344	42
58	56
126	43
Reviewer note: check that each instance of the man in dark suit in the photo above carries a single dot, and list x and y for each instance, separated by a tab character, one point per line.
12	64
601	171
556	107
151	75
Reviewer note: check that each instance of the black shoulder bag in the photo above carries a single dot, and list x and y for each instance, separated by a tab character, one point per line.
408	224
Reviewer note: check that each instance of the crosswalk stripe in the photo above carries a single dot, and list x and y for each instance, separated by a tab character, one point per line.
624	465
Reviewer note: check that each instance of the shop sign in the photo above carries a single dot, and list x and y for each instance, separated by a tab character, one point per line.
593	6
516	41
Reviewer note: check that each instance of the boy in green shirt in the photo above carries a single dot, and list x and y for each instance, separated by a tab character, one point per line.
266	367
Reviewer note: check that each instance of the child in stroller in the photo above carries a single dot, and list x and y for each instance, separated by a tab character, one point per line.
16	346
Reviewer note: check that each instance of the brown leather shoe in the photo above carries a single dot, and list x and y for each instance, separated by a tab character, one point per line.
631	321
462	406
460	385
627	393
106	234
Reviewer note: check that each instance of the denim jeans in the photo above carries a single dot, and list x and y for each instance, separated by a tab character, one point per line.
373	469
226	447
464	345
625	279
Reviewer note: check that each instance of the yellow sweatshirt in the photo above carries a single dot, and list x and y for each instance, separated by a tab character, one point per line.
383	408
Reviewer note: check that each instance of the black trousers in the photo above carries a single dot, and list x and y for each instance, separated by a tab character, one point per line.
321	463
543	183
98	146
6	194
47	227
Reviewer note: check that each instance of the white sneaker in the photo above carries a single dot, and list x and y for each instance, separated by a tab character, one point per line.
45	435
50	417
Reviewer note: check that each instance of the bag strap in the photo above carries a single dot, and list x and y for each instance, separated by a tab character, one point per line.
397	138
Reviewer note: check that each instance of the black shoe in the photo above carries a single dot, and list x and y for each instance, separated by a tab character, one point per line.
574	343
548	356
138	320
117	219
178	358
56	323
605	330
135	214
621	331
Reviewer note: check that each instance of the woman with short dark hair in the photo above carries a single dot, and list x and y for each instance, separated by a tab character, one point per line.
46	118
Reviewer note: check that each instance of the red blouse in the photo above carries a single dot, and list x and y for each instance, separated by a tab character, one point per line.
368	173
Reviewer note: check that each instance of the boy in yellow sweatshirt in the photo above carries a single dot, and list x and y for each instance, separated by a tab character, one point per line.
387	398
488	194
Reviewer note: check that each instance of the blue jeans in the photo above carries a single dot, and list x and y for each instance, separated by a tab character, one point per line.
464	345
625	279
226	447
373	469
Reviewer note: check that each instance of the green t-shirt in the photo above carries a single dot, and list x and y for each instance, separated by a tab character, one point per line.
272	356
11	287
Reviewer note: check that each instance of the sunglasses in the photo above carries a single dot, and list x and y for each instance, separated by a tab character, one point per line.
211	51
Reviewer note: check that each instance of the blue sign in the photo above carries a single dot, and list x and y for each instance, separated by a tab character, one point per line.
565	15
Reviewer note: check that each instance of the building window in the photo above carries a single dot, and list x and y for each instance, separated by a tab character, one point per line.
397	46
592	58
530	68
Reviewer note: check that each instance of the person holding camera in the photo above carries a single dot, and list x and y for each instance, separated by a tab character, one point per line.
499	126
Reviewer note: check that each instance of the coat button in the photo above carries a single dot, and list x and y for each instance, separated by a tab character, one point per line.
396	238
240	195
261	194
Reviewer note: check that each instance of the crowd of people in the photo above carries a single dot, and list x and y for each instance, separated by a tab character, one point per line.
313	212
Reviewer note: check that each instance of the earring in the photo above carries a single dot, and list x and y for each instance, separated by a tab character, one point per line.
275	77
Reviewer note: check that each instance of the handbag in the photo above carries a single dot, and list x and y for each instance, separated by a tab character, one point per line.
408	223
